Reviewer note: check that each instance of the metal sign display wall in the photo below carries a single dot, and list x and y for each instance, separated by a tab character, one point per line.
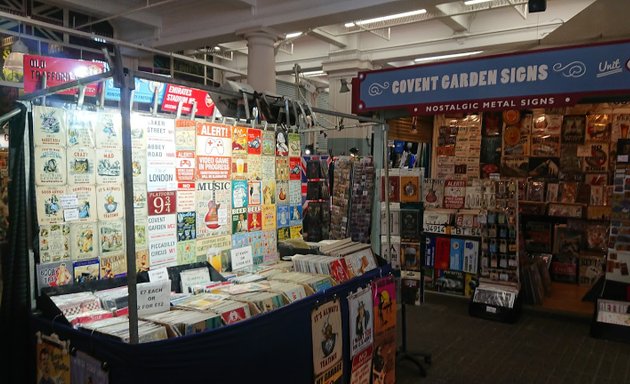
539	79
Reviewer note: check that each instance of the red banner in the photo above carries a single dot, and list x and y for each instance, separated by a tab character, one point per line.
59	71
176	93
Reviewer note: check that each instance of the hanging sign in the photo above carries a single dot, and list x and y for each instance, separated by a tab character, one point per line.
143	92
176	93
537	79
59	71
327	343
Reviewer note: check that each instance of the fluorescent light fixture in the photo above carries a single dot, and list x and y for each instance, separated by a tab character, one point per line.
313	73
293	34
472	2
449	56
386	18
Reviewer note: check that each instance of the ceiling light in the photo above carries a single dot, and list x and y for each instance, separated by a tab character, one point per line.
293	34
313	73
386	18
472	2
449	56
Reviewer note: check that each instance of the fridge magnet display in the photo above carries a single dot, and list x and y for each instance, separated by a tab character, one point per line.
111	236
109	166
86	202
254	141
81	166
214	151
86	369
268	143
327	344
50	165
53	242
110	203
573	129
239	141
282	145
49	209
114	265
361	319
86	270
54	274
108	131
49	126
214	204
81	125
83	241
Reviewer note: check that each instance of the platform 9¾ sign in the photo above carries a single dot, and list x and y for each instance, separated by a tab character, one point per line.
162	203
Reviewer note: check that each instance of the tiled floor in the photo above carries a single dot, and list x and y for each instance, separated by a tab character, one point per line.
539	348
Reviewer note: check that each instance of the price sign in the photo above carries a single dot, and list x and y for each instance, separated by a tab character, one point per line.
162	203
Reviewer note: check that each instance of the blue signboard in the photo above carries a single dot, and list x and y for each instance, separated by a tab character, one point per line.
142	94
545	78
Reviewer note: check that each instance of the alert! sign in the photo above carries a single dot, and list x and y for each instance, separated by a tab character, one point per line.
176	93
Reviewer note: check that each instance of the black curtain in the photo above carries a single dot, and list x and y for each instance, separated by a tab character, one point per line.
16	295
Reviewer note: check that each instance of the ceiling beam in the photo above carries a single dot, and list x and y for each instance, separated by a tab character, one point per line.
102	8
458	23
326	37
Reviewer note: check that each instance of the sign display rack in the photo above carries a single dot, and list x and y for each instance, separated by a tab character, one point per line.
125	80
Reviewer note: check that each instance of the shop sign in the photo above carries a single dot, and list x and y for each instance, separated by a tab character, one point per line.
143	92
176	93
59	71
537	79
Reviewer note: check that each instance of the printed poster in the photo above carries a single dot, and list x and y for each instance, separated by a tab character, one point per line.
214	203
186	252
49	209
81	168
109	164
49	126
254	141
186	226
50	165
361	318
114	265
384	296
108	131
81	125
361	367
86	202
53	362
162	240
282	146
87	369
112	236
327	343
268	217
53	242
268	143
110	202
294	145
214	151
239	141
54	274
83	241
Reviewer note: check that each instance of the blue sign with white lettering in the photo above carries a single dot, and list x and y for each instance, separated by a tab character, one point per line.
546	78
142	94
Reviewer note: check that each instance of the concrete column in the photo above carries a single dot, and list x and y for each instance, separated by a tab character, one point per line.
261	58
